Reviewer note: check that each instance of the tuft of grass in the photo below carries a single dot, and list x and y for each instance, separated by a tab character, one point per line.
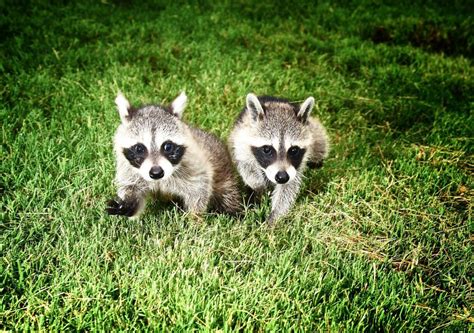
379	239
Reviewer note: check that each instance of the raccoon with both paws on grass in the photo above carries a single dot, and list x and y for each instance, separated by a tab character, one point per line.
272	142
157	152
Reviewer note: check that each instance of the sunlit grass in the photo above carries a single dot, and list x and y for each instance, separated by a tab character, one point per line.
380	237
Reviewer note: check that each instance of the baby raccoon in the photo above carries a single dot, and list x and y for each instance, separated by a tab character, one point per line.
157	152
272	142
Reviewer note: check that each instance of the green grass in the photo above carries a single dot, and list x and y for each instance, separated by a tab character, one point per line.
380	238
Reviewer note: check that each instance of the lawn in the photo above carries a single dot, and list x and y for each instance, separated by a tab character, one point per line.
380	239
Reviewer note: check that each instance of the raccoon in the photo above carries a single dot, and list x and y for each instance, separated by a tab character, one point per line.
157	152
272	142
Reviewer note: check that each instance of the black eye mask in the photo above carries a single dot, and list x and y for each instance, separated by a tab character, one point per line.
172	151
295	155
265	155
136	154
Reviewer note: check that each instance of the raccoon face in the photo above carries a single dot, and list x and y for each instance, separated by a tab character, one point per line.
151	138
155	161
279	163
279	136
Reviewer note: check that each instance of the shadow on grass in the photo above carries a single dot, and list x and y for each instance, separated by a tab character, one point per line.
429	36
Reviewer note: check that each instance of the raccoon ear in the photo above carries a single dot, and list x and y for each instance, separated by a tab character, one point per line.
305	109
179	104
254	106
123	107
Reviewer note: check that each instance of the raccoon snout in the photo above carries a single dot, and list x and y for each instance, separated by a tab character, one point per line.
156	172
282	177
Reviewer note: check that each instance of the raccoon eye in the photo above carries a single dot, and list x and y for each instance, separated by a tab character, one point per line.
139	148
267	150
294	150
168	146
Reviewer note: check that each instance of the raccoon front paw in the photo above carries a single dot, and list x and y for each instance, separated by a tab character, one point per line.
121	207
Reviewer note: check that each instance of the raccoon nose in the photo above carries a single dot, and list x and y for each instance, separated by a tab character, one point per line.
282	177
156	172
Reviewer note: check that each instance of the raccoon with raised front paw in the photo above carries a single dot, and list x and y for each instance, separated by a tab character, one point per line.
157	152
272	142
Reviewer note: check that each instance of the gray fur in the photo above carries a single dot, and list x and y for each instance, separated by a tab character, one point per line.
275	122
203	177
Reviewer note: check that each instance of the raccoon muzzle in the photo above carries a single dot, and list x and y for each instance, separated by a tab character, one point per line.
156	172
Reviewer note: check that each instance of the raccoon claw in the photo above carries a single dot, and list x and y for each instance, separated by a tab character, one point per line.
121	207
